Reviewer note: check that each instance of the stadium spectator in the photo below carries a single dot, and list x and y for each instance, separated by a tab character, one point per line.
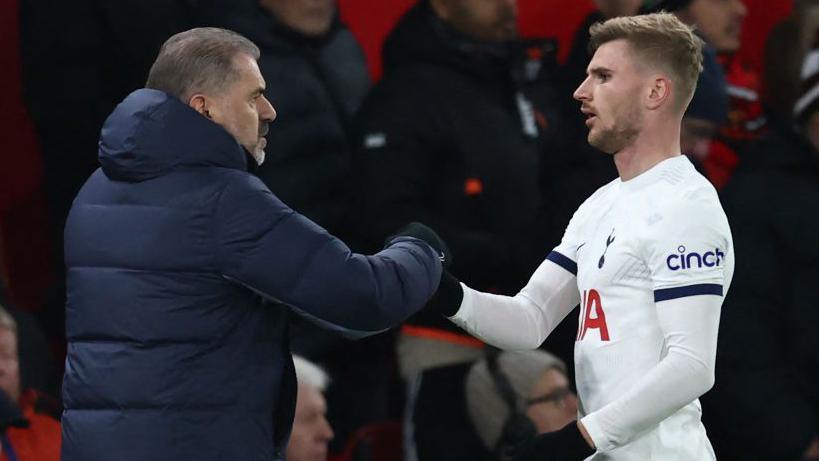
767	397
29	420
317	78
311	432
511	396
785	49
707	111
37	370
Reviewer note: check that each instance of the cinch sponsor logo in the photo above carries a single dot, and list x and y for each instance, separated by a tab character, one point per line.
693	259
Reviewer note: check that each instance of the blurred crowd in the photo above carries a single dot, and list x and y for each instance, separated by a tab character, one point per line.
471	129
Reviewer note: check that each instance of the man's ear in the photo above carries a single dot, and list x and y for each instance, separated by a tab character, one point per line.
199	103
659	92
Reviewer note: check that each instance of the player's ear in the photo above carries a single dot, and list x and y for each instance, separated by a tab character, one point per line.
659	92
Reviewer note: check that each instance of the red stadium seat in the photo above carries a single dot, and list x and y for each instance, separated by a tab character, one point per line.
380	441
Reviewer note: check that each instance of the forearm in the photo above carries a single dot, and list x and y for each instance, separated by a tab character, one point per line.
285	257
522	321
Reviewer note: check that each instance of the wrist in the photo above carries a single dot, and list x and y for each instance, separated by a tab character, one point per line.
585	434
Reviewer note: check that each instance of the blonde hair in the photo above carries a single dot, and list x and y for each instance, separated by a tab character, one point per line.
658	39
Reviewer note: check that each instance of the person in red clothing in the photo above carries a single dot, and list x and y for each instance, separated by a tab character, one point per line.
29	430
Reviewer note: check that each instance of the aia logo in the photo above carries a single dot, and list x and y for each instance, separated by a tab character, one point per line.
693	259
592	315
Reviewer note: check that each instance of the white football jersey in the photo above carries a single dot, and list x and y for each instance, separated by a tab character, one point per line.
659	236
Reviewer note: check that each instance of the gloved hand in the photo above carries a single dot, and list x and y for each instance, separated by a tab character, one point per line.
448	298
566	444
422	232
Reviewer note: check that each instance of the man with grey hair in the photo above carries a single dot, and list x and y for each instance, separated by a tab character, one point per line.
311	430
183	269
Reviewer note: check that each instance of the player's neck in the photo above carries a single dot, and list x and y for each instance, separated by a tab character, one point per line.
652	146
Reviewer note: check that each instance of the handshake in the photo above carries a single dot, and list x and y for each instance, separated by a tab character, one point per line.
447	300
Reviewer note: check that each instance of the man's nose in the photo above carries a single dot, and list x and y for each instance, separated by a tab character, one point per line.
580	93
266	111
326	432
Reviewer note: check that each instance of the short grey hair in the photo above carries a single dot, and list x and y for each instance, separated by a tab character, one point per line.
198	60
310	374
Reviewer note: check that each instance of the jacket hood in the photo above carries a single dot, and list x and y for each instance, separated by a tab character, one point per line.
420	36
150	133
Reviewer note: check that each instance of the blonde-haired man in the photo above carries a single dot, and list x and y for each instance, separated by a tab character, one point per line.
648	256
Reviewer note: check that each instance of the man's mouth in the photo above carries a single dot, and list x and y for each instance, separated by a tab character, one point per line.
590	115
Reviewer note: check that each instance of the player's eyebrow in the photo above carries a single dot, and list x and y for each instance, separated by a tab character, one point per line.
598	70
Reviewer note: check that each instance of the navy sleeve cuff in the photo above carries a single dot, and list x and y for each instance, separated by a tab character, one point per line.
563	262
666	294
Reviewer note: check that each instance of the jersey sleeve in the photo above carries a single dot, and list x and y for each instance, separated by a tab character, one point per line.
523	321
689	249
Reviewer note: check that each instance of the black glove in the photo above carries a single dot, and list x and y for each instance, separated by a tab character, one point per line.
567	444
422	232
448	298
10	414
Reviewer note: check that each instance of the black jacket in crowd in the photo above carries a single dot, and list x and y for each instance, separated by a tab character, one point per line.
767	386
451	138
315	85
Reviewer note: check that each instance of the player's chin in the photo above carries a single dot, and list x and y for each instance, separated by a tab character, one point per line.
601	144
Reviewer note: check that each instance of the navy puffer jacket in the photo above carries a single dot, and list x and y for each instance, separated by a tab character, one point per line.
182	271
